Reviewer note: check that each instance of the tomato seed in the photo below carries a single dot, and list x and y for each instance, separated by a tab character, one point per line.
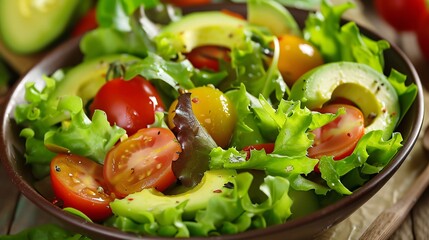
158	166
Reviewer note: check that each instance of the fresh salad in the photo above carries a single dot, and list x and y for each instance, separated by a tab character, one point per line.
213	122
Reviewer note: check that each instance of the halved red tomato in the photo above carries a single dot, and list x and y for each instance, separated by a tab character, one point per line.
78	182
339	137
208	57
268	147
142	161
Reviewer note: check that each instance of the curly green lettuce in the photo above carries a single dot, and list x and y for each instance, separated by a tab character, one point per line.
51	125
227	214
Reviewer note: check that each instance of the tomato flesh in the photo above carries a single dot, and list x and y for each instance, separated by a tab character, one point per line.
86	23
78	182
142	161
423	36
339	137
208	57
130	104
402	15
268	147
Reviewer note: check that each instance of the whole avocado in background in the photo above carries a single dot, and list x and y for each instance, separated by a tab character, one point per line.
30	26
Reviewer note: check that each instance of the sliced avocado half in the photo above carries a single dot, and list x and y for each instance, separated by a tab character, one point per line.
85	79
368	89
273	16
150	200
204	28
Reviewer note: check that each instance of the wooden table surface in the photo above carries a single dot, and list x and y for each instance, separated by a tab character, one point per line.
17	213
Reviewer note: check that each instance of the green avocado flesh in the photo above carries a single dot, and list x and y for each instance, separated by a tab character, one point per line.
205	28
368	89
151	200
273	16
27	26
85	79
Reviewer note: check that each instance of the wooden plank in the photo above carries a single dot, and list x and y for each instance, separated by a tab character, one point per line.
420	216
8	199
28	215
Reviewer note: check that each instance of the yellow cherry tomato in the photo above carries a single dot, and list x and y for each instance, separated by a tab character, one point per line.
213	110
297	56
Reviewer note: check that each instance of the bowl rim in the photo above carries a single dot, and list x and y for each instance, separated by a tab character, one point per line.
80	224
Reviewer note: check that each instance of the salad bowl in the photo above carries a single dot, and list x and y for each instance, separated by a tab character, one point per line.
309	226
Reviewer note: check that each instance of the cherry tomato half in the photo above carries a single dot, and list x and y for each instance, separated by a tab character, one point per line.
297	56
86	23
78	182
130	104
423	35
214	112
402	15
339	137
142	161
208	57
268	147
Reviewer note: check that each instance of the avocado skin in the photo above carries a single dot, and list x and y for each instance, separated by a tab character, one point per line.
369	89
213	184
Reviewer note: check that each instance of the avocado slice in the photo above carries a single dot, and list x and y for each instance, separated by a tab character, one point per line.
273	16
204	28
150	200
85	79
27	26
367	88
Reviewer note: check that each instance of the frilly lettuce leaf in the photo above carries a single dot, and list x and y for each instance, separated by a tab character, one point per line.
226	214
338	42
49	124
370	156
246	131
91	138
291	126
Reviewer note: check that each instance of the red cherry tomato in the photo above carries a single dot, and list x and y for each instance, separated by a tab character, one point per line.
402	15
185	3
78	183
86	23
208	57
268	147
130	104
423	36
339	137
142	161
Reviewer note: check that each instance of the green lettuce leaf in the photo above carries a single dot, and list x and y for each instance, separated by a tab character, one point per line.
227	214
338	42
246	131
50	125
370	156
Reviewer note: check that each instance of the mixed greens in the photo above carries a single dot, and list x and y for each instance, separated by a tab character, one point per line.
263	188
